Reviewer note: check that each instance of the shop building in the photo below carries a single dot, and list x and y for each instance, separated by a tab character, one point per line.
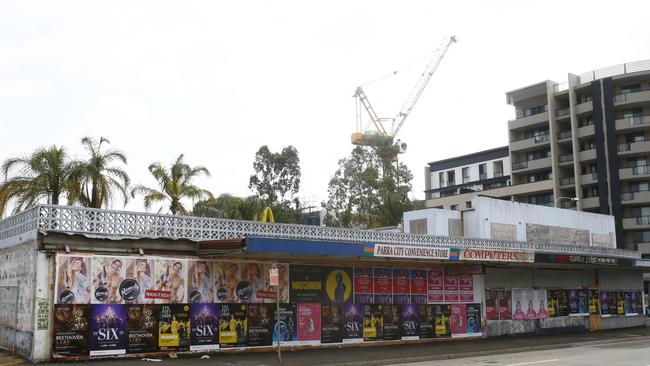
92	283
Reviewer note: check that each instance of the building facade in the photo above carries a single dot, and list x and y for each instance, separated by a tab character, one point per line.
583	144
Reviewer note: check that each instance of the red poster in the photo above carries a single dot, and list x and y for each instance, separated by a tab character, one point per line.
401	282
418	282
466	288
458	319
363	281
308	322
435	287
384	281
451	288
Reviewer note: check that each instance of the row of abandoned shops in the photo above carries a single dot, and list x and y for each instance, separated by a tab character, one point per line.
82	296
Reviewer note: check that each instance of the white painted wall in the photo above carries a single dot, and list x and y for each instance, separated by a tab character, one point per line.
437	220
473	172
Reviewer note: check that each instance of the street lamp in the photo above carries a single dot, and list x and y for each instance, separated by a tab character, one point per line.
575	199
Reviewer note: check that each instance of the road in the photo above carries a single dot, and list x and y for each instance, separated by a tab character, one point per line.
632	353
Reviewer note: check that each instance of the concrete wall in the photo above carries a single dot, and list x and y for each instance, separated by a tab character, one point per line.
538	223
438	221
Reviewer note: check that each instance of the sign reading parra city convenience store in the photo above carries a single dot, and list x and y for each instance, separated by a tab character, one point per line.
405	251
492	255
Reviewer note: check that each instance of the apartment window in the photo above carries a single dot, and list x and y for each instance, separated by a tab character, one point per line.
536	132
634	137
545	199
640	211
587	145
468	204
454	207
465	174
588	169
538	154
497	168
586	122
632	88
531	111
418	226
441	179
635	162
585	98
638	186
539	176
482	171
641	237
451	178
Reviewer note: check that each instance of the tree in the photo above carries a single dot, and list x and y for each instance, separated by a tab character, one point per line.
368	191
227	206
175	185
277	181
46	170
97	178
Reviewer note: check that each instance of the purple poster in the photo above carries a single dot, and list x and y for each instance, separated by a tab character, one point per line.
352	322
410	322
204	325
108	330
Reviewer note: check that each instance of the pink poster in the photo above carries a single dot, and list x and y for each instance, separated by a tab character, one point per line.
466	288
451	288
435	286
309	323
458	319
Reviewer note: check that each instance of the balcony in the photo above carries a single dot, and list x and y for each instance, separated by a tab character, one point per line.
584	107
562	113
639	97
634	122
564	135
566	158
590	202
530	165
634	172
567	181
586	131
639	222
590	178
628	198
633	148
530	143
588	155
528	121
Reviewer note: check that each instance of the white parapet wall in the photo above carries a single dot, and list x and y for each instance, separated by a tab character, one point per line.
436	221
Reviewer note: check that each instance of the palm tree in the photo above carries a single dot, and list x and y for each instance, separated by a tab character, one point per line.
46	170
175	184
97	178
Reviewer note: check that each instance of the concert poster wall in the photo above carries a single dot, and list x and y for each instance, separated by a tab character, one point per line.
142	326
171	280
288	325
352	322
72	279
504	300
233	331
410	322
319	284
418	286
443	320
363	285
594	305
458	320
108	330
227	277
435	286
427	321
473	319
260	324
107	273
331	323
309	323
140	271
71	329
373	322
466	288
204	326
491	304
200	281
174	327
451	288
392	319
401	286
383	280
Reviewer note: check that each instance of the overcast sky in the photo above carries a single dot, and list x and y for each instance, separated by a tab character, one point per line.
215	80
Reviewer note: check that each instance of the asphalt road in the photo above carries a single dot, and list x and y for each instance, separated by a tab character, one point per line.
629	353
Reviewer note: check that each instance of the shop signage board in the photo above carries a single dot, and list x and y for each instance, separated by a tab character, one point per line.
491	255
405	251
580	259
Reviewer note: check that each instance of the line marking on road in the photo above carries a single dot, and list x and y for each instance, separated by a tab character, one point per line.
532	362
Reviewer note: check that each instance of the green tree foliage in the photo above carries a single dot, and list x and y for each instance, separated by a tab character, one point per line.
277	181
175	185
97	177
368	190
45	170
227	206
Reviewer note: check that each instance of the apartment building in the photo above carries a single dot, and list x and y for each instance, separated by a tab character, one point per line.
583	144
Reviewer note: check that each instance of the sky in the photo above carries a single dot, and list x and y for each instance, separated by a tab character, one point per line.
215	80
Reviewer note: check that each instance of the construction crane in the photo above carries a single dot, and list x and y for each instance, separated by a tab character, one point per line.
382	137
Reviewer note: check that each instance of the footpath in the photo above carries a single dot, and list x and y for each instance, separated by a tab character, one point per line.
394	354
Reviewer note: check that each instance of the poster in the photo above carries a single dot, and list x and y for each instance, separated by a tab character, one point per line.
442	320
418	286
638	299
435	286
594	305
620	303
174	327
227	277
373	322
466	288
451	293
505	304
171	280
383	280
288	325
204	327
562	302
72	279
530	301
107	274
338	285
392	322
542	309
427	321
142	326
410	322
71	328
140	270
233	325
518	299
352	322
254	280
552	303
363	285
309	323
260	324
458	320
401	286
283	280
200	281
331	323
577	302
607	303
474	320
630	304
267	293
320	284
491	304
108	330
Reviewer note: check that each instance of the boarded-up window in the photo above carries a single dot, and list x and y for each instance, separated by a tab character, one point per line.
418	226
